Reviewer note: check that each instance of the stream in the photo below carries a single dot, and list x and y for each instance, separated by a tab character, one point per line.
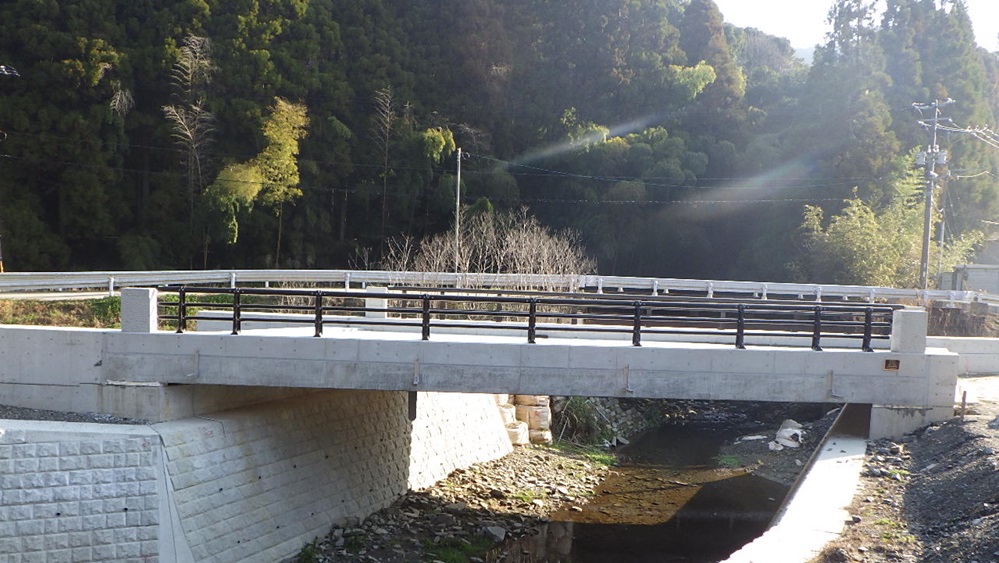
671	498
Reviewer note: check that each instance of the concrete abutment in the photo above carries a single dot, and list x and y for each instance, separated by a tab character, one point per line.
247	484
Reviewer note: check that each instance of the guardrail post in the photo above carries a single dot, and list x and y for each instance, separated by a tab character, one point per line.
426	317
868	329
532	320
111	286
817	329
636	331
181	309
740	330
237	323
319	314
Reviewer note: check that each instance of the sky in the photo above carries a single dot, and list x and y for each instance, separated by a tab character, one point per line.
804	21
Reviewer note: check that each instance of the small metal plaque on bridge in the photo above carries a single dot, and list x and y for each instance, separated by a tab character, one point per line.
893	365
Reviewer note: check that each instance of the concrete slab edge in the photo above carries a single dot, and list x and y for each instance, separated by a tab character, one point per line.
818	508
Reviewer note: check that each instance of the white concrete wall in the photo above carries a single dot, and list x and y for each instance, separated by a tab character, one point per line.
80	492
252	484
979	356
454	430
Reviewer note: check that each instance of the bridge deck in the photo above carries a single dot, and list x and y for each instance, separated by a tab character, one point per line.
401	361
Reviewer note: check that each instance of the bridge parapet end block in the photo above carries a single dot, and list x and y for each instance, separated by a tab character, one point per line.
908	331
376	305
138	309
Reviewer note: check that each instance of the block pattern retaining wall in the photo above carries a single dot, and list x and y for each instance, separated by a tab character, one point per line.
80	493
454	430
246	485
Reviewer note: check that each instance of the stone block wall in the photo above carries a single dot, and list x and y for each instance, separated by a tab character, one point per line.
80	492
252	484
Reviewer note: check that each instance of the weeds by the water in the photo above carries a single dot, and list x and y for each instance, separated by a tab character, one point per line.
728	461
310	553
528	495
594	454
457	550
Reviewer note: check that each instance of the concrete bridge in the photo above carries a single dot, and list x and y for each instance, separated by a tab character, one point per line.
247	429
914	381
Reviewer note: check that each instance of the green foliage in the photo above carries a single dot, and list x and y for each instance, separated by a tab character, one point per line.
234	190
458	550
174	135
99	313
106	311
728	461
577	422
277	163
869	246
595	454
310	553
271	177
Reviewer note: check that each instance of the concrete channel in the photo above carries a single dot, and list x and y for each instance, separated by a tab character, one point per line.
815	509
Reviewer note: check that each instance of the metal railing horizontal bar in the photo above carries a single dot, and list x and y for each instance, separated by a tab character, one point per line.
112	280
583	314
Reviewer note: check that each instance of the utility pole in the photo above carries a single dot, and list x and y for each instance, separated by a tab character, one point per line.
929	159
4	71
457	215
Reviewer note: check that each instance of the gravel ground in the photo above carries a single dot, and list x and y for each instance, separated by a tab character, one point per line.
8	412
472	510
933	497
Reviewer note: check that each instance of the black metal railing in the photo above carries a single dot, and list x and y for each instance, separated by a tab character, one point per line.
532	313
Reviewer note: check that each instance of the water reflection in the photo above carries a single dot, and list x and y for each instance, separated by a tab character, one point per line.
668	501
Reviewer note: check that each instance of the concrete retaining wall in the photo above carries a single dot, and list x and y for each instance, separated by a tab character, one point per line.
979	356
251	484
81	492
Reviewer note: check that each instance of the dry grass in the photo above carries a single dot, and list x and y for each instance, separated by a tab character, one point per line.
95	313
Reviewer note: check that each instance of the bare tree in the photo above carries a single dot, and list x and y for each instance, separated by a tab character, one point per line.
497	242
190	120
382	130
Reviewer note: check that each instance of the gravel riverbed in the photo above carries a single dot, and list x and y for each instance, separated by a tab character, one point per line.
472	510
475	514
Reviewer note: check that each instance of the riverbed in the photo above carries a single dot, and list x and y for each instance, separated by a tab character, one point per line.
689	491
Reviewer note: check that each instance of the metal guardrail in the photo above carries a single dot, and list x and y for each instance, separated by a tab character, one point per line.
113	280
526	312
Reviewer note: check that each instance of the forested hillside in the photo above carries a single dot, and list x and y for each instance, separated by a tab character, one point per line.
306	133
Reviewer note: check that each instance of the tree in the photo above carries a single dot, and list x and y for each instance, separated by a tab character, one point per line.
270	178
190	121
382	128
495	242
718	110
865	245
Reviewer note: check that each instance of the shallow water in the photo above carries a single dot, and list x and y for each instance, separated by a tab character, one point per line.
668	500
